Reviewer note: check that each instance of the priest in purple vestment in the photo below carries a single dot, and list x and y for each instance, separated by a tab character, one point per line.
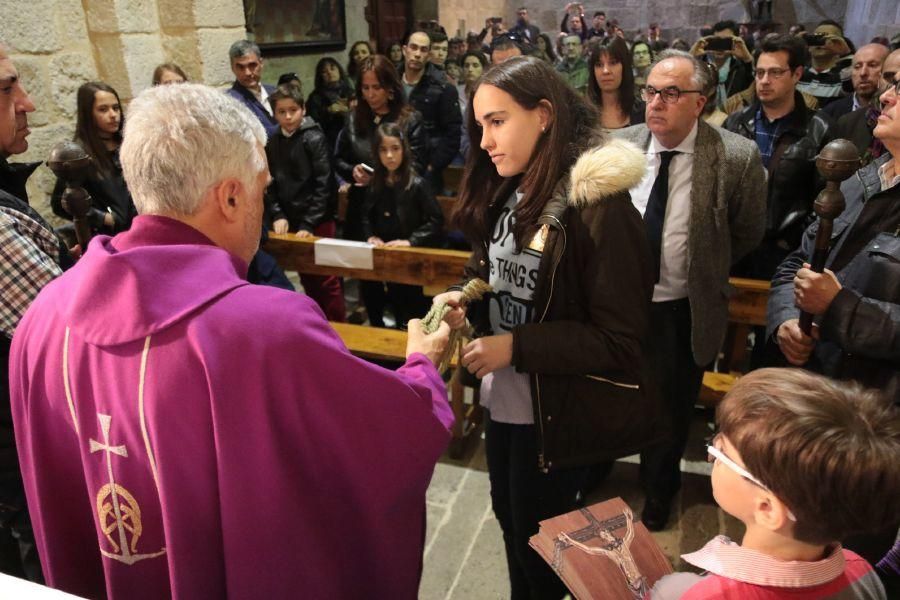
185	434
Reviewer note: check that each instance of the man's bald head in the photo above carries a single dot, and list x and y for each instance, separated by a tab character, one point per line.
866	73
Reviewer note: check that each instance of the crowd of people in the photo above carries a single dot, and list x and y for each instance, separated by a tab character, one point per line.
612	185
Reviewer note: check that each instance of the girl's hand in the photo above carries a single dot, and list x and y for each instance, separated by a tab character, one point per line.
376	241
488	354
398	244
304	233
456	318
361	176
280	226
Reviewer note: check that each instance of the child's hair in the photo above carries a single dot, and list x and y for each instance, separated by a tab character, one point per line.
404	171
160	70
287	91
829	450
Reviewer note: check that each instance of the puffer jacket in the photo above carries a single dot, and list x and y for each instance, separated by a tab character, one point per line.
591	306
438	102
793	182
418	212
353	149
860	330
303	190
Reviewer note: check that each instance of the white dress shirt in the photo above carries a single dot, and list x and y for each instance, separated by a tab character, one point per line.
673	262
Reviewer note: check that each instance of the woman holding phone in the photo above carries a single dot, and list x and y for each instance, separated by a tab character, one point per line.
546	207
381	100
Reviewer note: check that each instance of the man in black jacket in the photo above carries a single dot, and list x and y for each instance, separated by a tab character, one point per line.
856	301
789	137
866	78
524	27
432	95
30	255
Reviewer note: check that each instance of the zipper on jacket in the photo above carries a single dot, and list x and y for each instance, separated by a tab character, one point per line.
542	465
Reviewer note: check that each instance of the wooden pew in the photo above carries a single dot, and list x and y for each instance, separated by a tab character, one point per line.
436	269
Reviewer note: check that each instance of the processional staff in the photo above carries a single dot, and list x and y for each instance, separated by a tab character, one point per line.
71	163
837	161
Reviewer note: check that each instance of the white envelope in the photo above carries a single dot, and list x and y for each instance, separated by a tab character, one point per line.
331	252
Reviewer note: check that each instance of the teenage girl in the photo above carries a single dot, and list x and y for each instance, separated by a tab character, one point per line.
546	207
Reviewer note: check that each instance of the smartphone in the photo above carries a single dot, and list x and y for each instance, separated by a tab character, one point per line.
814	39
719	44
367	168
496	20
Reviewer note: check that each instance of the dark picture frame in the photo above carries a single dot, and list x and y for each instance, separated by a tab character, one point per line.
296	26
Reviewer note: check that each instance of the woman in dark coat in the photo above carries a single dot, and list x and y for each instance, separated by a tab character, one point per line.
98	129
381	100
329	102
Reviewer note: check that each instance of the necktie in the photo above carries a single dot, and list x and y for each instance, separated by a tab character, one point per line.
655	214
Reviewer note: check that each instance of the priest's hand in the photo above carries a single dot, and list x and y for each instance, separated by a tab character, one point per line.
280	226
456	318
814	292
431	345
487	354
795	345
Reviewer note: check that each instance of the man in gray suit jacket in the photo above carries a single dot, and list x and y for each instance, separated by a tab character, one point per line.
703	199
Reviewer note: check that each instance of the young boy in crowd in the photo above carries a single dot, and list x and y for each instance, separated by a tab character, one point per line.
803	461
302	196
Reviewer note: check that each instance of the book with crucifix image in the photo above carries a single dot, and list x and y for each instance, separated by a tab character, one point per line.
601	552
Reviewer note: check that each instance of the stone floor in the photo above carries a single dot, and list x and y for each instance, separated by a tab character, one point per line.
464	556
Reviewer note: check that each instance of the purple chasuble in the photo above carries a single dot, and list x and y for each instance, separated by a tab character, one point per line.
184	433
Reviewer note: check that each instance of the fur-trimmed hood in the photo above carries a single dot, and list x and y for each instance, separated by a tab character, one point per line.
607	170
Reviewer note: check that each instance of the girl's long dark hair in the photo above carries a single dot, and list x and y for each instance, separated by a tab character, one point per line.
617	49
320	73
551	53
404	171
387	76
351	64
86	132
572	129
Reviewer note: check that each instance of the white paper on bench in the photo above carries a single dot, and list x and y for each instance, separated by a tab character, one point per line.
331	252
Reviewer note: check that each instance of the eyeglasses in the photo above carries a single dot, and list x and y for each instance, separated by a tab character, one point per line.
772	73
669	95
714	454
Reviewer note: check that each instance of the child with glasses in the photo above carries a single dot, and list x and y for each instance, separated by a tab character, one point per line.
804	462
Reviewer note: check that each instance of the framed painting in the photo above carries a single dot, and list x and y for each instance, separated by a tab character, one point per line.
296	26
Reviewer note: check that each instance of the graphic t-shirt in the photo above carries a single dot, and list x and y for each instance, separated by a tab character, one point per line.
513	277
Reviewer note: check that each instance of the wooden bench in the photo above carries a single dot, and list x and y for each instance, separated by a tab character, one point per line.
437	269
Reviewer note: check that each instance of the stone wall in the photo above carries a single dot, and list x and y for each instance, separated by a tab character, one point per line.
461	16
868	18
59	44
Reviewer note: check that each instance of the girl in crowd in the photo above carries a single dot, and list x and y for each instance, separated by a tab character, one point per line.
380	100
641	58
395	53
453	70
329	102
167	73
359	52
400	211
98	129
545	48
545	204
611	86
473	65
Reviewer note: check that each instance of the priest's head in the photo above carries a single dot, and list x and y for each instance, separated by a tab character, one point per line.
194	154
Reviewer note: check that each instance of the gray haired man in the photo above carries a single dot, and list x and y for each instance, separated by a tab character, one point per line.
703	201
247	66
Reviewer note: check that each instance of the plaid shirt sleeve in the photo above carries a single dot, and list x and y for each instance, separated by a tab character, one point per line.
28	261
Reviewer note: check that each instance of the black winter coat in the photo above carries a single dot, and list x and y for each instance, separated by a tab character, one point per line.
303	188
860	330
108	194
420	216
591	313
438	102
331	122
353	149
